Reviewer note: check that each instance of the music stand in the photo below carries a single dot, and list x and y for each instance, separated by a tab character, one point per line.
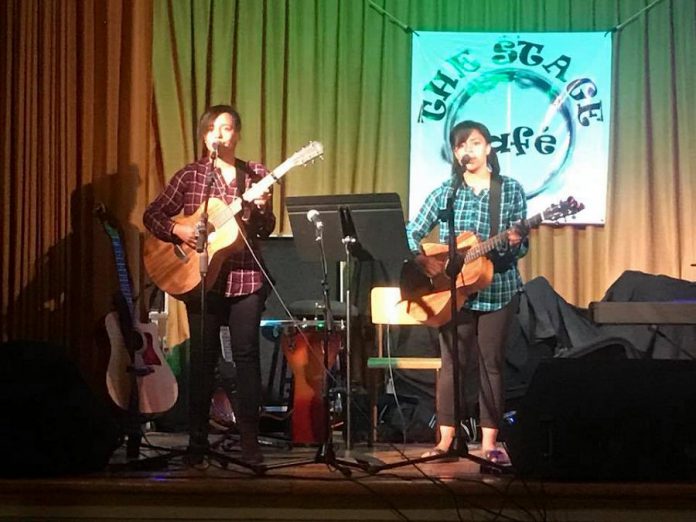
376	217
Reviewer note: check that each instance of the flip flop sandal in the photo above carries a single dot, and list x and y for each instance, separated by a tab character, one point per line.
437	452
497	457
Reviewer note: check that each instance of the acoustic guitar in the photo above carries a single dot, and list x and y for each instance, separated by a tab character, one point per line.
175	268
427	299
138	378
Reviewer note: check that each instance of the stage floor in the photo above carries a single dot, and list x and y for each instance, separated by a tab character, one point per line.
316	491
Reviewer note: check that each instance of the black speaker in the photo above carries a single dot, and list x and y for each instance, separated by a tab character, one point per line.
600	419
51	422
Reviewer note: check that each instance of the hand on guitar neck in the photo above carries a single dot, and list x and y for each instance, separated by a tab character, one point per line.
515	235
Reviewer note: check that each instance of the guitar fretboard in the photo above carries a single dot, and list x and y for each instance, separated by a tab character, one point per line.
124	282
224	214
500	240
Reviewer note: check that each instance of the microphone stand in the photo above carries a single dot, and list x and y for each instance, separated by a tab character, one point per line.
202	249
348	242
455	263
326	454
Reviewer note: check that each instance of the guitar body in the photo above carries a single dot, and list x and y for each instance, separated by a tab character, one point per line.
175	268
427	299
434	309
157	386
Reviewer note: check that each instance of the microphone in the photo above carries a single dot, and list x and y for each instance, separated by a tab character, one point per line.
215	144
465	159
314	217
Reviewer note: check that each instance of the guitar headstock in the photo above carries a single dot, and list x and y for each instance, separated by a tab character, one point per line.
307	154
107	220
562	209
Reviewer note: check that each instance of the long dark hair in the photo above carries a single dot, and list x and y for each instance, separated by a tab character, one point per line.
210	115
460	133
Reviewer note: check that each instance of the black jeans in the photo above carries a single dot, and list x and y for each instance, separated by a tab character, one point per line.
481	338
243	315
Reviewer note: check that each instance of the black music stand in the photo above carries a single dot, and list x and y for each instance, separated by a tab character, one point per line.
376	217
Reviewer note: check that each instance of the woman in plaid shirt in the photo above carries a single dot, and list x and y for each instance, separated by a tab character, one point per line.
238	296
483	320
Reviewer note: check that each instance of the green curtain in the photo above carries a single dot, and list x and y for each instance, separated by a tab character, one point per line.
338	71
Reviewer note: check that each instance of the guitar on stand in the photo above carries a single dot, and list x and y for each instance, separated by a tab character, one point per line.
428	299
174	268
138	378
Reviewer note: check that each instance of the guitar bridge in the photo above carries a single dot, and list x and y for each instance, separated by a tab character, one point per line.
141	371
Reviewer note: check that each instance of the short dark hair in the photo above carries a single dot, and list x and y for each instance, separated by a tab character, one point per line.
461	132
211	113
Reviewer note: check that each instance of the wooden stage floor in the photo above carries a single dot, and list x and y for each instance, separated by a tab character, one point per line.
315	491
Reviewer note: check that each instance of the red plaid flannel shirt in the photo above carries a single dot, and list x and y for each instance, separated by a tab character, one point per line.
240	275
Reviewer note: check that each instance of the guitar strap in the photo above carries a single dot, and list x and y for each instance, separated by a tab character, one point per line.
494	203
242	170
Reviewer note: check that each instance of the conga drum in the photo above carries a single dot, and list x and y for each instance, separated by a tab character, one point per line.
303	349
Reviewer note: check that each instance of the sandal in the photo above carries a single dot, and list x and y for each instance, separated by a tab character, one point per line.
437	452
499	463
497	456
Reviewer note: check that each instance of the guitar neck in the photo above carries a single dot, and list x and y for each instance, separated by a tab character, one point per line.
499	240
124	282
254	192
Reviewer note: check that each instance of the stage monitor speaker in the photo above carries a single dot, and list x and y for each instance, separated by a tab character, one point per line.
593	419
52	423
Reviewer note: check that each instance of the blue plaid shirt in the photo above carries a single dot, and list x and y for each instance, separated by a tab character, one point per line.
471	213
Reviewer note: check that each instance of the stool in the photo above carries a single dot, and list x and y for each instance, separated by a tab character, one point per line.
387	308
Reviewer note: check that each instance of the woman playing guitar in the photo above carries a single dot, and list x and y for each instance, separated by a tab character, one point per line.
483	319
238	291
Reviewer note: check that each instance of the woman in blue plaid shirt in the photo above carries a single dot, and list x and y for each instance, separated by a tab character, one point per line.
484	318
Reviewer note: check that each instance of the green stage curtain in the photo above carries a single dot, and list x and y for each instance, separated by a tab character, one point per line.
338	71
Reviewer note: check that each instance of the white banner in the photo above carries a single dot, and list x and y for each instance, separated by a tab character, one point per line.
546	98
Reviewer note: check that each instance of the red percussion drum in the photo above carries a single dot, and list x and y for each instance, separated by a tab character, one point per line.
303	349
